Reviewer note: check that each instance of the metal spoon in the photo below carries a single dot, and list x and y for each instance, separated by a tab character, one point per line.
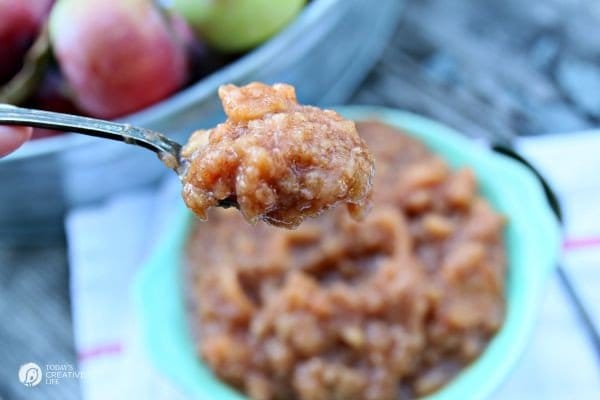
168	151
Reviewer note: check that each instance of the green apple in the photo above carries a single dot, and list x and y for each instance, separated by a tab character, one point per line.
237	25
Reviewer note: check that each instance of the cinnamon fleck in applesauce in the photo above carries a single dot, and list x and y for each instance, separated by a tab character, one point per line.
278	160
391	307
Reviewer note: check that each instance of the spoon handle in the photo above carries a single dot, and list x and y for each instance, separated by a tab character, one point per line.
167	149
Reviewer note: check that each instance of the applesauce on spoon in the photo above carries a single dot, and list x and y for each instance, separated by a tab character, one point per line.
279	161
273	159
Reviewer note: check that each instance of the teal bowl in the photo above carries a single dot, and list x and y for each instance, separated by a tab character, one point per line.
532	238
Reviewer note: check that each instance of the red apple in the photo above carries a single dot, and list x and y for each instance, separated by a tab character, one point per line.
118	56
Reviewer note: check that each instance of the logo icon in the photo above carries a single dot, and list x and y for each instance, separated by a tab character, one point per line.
30	374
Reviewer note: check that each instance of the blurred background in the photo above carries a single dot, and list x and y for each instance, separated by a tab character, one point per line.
524	74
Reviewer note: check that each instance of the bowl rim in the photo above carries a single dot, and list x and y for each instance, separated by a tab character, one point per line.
309	15
532	238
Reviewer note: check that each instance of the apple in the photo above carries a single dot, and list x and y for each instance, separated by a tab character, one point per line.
237	25
118	56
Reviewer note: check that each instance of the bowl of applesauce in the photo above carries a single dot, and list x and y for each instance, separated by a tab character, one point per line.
432	295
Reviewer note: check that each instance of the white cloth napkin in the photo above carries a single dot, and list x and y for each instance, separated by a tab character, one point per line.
109	242
104	255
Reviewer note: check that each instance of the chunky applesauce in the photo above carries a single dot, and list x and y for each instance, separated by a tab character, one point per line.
390	307
277	160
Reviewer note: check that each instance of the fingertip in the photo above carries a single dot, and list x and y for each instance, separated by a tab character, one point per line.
11	138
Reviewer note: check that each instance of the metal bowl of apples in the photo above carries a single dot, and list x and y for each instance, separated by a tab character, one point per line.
159	66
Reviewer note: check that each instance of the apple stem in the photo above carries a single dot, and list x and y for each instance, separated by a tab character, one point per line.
24	83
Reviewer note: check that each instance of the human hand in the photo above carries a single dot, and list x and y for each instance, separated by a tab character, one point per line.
12	137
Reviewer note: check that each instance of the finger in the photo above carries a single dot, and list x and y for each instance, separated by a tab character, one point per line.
13	137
